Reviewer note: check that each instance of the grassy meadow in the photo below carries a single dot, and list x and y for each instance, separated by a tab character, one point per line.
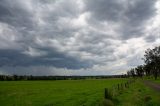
76	93
54	93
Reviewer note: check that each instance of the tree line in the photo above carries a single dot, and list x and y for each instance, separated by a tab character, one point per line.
30	77
151	66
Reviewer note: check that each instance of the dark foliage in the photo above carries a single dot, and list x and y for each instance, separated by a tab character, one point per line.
151	65
16	77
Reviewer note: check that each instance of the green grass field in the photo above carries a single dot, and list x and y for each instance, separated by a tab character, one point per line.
75	93
54	93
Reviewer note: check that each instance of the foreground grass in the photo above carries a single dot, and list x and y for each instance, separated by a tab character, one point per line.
156	81
138	95
54	93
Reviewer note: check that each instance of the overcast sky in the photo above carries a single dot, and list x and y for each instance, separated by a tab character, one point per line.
76	37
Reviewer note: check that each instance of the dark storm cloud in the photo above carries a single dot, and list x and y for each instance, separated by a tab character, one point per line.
77	35
130	15
14	13
16	58
139	11
112	10
104	10
18	15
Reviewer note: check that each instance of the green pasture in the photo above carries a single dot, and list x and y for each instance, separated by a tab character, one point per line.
54	93
76	93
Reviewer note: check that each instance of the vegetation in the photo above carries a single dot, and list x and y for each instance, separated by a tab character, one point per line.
151	65
138	94
24	78
55	93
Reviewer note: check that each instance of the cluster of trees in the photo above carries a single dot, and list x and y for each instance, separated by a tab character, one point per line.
16	77
151	65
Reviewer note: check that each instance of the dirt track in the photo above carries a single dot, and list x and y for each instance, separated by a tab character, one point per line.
153	85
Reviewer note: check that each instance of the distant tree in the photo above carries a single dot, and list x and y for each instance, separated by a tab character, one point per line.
139	70
129	74
1	78
15	77
132	72
147	69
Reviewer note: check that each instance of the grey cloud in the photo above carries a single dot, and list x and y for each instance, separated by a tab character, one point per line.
140	11
152	35
135	12
150	38
68	35
48	71
104	10
15	14
130	15
135	61
17	58
30	70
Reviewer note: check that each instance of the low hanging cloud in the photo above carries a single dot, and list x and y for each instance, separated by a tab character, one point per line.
82	37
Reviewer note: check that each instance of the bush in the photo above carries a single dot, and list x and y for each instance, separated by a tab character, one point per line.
107	102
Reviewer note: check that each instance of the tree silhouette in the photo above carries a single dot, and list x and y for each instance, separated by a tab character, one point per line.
152	60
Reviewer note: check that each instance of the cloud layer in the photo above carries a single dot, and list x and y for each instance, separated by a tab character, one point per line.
82	37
